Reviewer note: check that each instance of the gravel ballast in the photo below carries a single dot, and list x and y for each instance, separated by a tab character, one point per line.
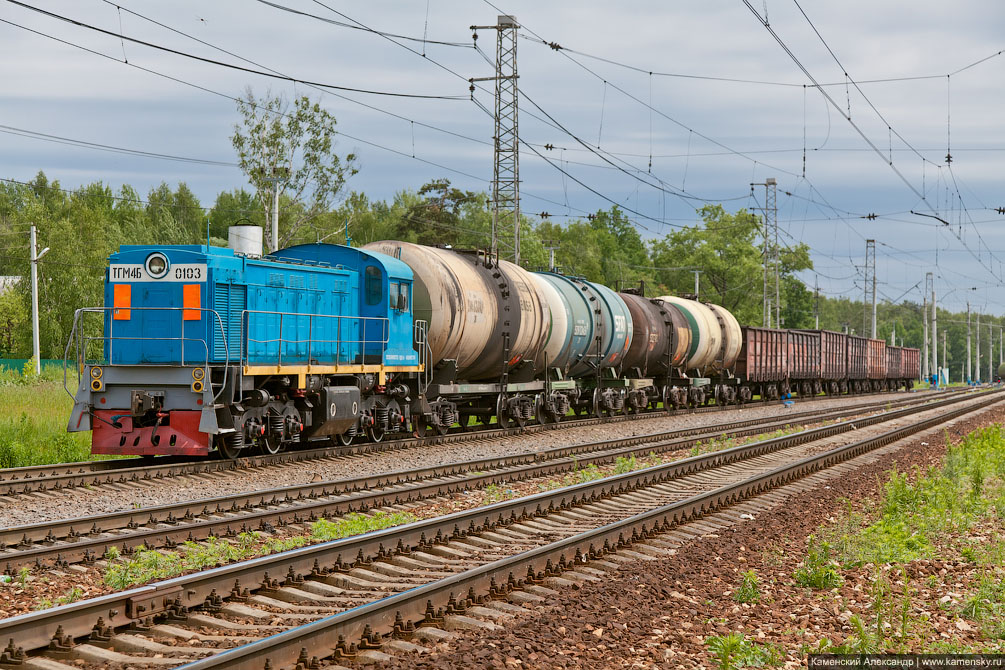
50	506
658	614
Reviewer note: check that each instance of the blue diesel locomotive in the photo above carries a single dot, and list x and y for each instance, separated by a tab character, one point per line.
199	347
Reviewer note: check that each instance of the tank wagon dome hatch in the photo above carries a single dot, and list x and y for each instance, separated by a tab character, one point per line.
474	308
706	334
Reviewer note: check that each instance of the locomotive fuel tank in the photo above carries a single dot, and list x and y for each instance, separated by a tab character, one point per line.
706	335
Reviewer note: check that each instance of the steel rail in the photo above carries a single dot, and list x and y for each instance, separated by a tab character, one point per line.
81	539
28	479
34	630
427	604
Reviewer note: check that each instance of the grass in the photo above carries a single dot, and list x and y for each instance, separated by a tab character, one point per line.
818	571
749	590
734	651
916	511
34	411
147	565
495	493
943	513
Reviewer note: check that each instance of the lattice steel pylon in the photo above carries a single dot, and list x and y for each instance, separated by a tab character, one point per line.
506	162
869	302
770	253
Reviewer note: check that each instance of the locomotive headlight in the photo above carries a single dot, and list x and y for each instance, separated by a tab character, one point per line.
198	374
156	265
96	372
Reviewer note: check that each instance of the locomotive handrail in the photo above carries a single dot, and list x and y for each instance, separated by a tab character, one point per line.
419	335
310	340
83	341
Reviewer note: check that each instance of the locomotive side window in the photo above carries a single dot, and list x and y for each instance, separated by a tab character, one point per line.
399	296
373	287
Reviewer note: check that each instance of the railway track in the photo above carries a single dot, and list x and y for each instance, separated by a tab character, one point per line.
345	599
30	479
87	538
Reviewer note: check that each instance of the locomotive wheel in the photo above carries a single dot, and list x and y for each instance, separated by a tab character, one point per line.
344	439
501	417
226	450
374	433
270	446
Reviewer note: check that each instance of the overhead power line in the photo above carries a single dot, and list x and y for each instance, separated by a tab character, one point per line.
57	139
363	28
232	66
739	80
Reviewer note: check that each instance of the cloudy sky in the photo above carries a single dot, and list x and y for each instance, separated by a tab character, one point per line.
677	104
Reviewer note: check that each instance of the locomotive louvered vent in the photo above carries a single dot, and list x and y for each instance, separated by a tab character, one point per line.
229	301
296	281
277	279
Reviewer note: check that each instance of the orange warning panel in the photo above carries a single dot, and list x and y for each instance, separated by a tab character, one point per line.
192	302
122	298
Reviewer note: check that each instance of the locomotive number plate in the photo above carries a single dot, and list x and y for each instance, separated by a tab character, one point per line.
181	272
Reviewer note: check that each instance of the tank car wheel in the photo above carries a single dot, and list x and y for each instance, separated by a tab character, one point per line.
501	407
597	405
465	422
441	429
418	426
541	415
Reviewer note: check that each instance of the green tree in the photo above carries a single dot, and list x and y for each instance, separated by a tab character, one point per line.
726	252
438	217
296	142
233	208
